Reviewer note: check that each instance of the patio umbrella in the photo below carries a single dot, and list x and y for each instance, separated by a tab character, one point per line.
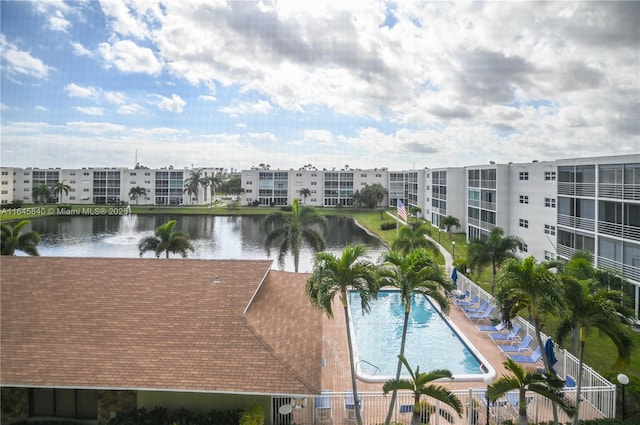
454	277
551	355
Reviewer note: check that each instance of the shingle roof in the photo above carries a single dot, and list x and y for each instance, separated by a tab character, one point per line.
157	324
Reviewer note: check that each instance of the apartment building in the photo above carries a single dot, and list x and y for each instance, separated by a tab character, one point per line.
108	185
444	195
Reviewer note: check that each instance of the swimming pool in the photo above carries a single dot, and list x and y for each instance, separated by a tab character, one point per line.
433	341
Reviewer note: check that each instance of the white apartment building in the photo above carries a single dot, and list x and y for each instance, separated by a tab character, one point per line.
108	185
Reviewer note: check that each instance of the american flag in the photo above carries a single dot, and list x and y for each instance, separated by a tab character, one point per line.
402	213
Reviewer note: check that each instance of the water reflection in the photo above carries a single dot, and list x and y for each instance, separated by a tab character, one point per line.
233	237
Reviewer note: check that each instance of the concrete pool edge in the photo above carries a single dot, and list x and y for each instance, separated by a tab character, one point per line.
477	377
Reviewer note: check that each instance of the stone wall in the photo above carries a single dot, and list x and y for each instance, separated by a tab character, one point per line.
112	402
14	405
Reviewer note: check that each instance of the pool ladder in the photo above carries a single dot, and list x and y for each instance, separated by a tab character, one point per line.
370	364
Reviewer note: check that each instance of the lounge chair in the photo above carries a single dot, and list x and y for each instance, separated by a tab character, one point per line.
350	406
323	408
523	346
482	315
479	309
508	336
569	382
533	358
492	328
469	303
463	296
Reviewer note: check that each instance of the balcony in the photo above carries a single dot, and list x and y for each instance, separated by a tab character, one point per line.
577	222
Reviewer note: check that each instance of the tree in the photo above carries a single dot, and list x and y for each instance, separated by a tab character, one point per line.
166	240
412	274
305	193
415	211
545	384
336	276
448	222
412	237
372	194
41	193
191	185
591	307
291	230
58	188
137	192
493	251
419	385
529	286
215	183
12	239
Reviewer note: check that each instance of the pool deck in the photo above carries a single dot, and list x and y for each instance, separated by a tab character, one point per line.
336	374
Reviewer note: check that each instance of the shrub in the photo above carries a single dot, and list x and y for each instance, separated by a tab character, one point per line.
388	225
253	415
160	416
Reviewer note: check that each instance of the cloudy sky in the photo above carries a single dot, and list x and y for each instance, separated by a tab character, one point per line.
332	83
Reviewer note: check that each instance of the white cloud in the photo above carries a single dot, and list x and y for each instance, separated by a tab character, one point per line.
90	110
17	61
75	90
127	56
80	50
259	107
124	19
95	127
41	108
174	104
207	98
129	109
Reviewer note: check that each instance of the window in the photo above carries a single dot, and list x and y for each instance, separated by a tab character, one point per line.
549	229
524	199
5	173
132	174
525	248
26	181
550	176
59	403
524	175
524	223
550	202
314	183
548	256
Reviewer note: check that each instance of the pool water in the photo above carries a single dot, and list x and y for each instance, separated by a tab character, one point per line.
432	340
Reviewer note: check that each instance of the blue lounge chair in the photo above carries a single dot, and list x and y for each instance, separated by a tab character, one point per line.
533	358
523	346
469	303
569	382
479	309
463	296
492	328
482	315
508	336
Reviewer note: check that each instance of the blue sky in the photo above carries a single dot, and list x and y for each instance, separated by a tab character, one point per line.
360	83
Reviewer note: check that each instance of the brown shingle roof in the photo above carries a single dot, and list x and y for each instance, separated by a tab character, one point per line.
157	324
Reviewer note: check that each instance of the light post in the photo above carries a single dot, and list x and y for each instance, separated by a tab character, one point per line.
487	380
453	245
624	380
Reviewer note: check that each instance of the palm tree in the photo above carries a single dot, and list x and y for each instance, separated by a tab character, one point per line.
545	384
415	211
525	285
11	239
291	230
494	250
192	183
412	274
448	222
419	385
412	237
336	276
58	188
590	307
137	192
372	194
41	193
213	182
166	240
305	193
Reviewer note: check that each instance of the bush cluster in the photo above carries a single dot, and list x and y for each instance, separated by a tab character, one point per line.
388	225
161	416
